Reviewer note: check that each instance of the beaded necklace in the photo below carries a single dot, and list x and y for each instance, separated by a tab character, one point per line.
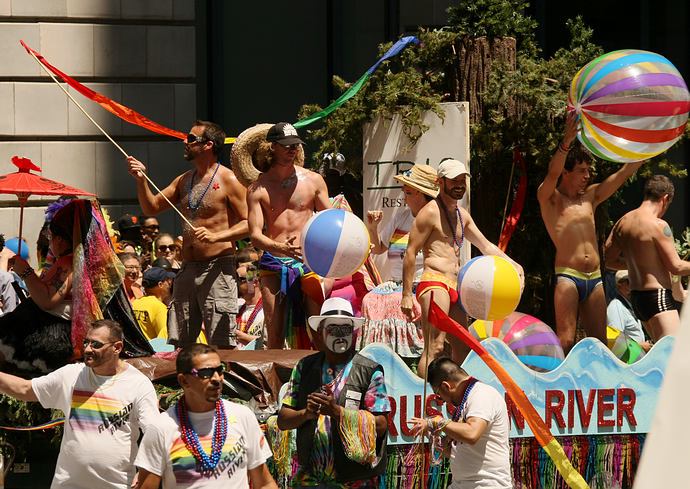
461	407
205	465
194	207
452	227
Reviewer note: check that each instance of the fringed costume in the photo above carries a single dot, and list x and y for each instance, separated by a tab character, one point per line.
296	280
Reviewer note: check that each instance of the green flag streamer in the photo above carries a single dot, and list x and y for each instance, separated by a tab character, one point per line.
357	86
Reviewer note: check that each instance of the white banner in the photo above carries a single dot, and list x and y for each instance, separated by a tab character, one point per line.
388	152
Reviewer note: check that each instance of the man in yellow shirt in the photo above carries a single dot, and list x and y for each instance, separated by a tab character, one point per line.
151	310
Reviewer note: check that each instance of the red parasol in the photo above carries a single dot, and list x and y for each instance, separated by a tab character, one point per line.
23	183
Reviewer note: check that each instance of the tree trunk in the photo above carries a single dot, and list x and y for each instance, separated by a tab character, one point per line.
476	57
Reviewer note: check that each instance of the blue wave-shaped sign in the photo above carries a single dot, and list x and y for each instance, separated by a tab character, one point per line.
591	392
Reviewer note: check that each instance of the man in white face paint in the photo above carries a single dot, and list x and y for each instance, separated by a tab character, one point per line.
335	384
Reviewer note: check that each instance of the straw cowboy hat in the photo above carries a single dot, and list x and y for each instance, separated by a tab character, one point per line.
251	152
420	177
335	307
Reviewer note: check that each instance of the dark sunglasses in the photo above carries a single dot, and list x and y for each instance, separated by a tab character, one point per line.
193	139
165	248
290	146
95	344
207	372
151	226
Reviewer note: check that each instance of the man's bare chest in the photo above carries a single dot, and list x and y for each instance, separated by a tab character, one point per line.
277	199
203	198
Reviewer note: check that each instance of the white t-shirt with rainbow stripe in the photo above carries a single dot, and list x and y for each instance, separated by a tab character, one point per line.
164	454
103	415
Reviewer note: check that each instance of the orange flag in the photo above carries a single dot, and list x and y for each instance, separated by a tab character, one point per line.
123	112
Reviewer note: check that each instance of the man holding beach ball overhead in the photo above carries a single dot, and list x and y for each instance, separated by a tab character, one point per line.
440	230
568	202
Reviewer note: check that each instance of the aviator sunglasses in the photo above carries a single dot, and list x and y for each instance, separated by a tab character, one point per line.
193	139
95	344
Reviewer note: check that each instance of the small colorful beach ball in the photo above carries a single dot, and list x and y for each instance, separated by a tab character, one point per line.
335	243
633	105
625	348
489	287
532	341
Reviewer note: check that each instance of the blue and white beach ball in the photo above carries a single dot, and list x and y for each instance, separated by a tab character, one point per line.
335	243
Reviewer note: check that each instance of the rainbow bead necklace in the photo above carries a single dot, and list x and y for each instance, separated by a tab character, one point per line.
461	407
205	464
194	207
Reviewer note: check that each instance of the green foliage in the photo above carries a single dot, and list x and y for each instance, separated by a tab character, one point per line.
494	18
683	245
407	86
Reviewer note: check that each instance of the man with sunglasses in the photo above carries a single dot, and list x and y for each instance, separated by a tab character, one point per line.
204	441
214	201
280	203
105	400
324	389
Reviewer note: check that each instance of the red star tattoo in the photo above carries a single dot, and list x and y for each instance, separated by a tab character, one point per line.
216	186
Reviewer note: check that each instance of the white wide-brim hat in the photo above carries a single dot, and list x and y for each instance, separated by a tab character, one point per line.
335	307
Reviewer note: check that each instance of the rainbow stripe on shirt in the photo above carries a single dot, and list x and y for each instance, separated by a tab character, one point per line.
91	411
398	242
184	465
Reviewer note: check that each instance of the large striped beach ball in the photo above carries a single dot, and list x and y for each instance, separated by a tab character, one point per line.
489	287
335	243
532	341
632	104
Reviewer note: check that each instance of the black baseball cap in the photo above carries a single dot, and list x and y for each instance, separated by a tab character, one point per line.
128	221
283	133
154	275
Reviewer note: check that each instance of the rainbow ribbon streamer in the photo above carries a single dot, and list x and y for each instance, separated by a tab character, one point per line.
547	441
357	86
133	117
53	423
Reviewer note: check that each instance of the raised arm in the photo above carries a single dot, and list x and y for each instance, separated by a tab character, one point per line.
372	223
557	163
151	204
608	187
663	239
13	386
